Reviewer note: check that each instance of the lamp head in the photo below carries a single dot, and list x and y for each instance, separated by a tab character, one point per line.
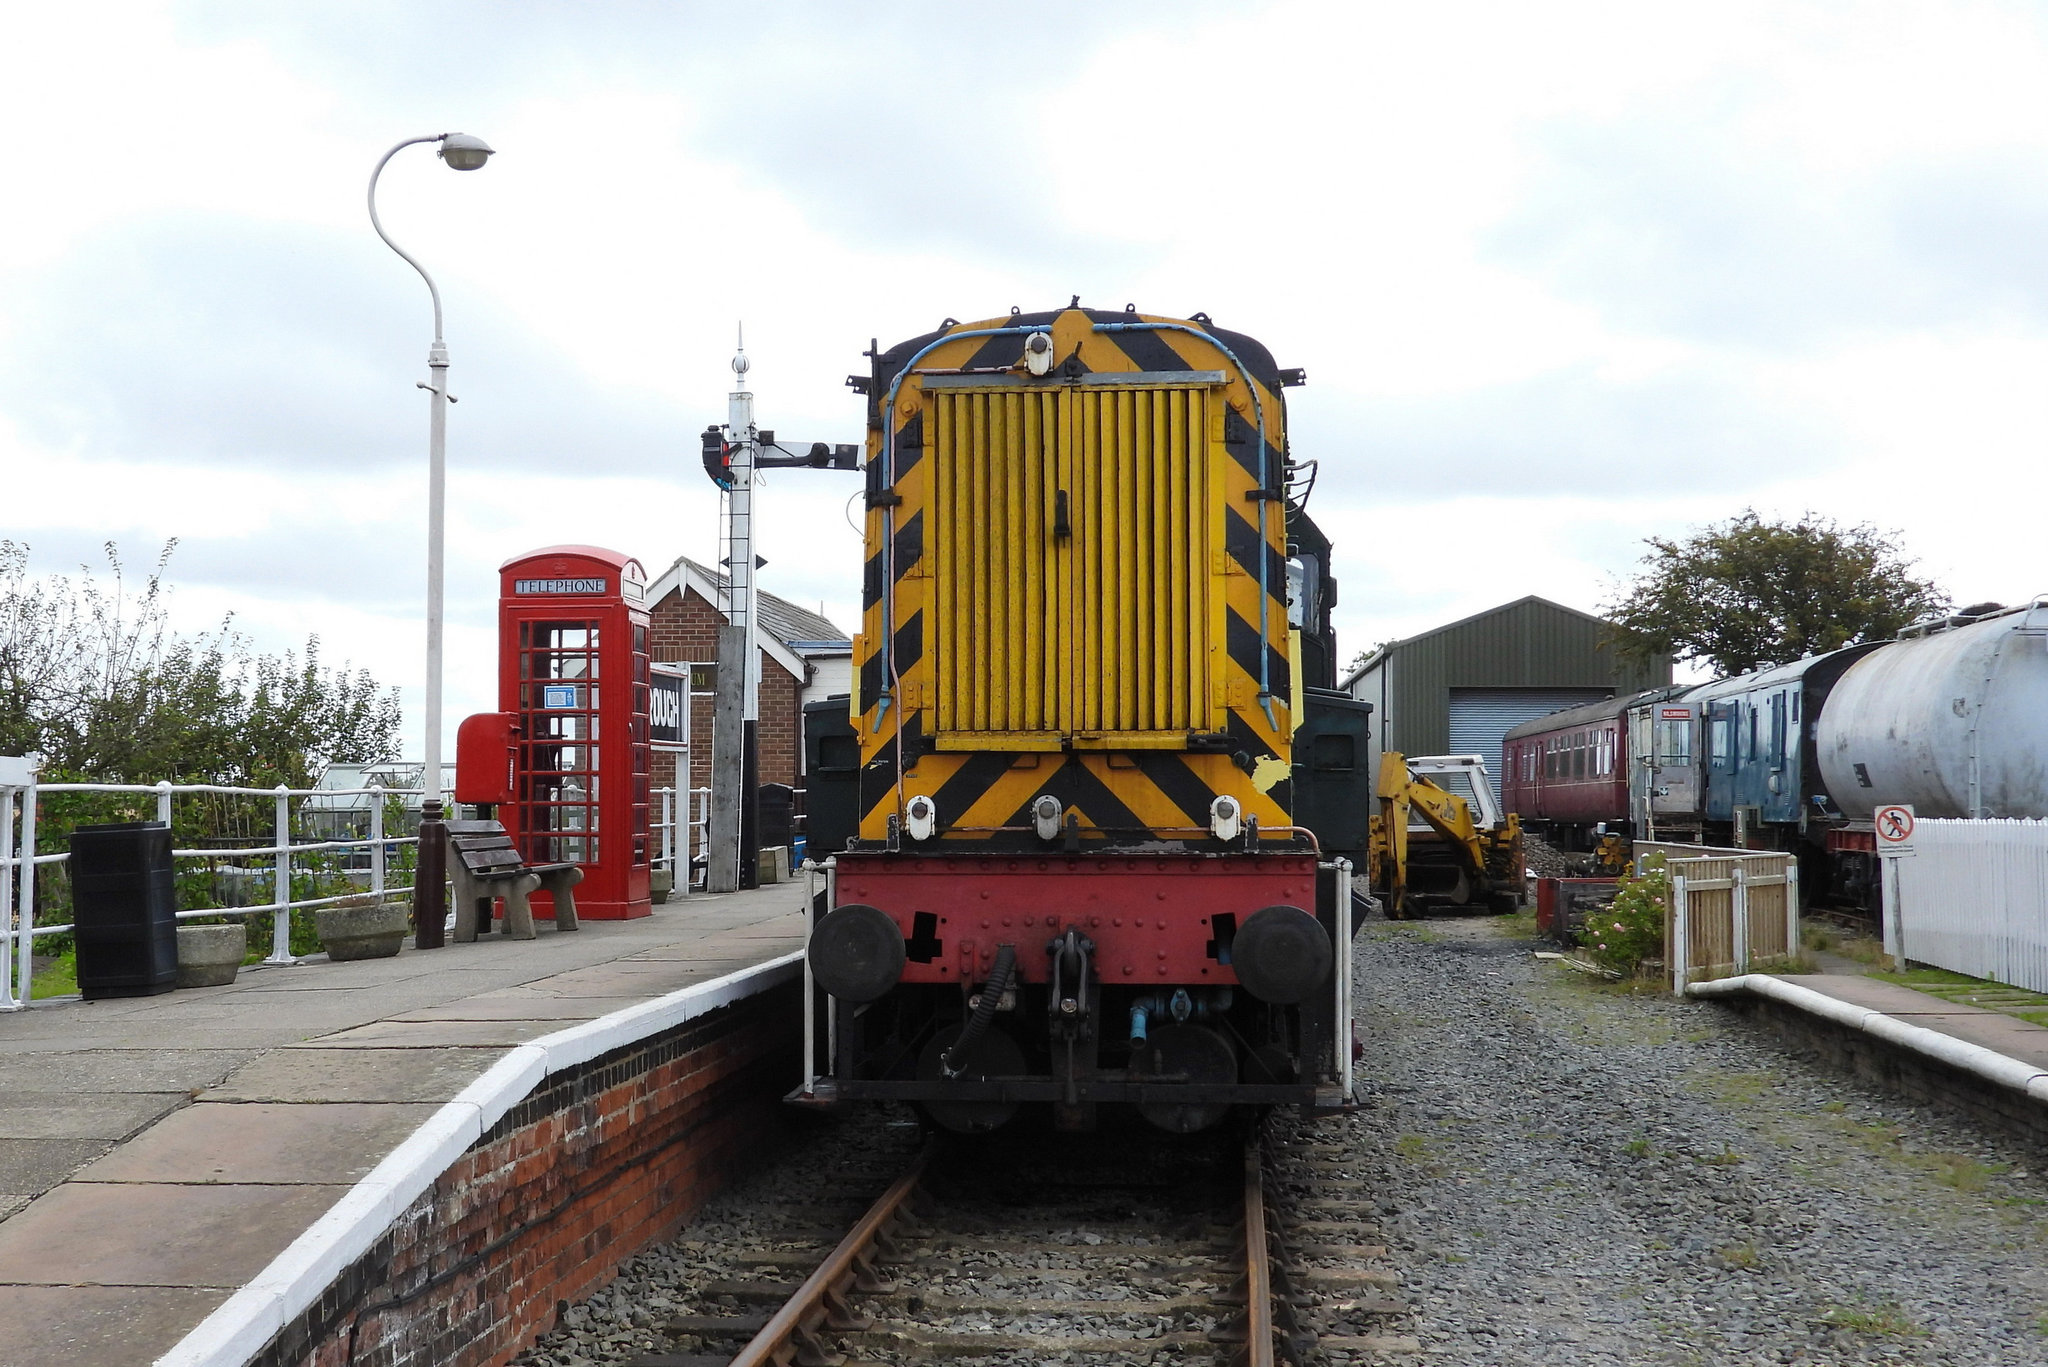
464	152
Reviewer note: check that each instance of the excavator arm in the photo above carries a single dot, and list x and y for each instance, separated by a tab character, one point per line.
1490	860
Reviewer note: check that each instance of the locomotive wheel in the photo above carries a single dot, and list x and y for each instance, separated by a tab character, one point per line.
995	1054
1203	1056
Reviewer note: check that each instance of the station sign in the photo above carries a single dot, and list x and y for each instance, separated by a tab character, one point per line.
1894	822
668	694
1675	714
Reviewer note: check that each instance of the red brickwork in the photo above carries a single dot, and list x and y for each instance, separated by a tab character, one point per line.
684	629
596	1165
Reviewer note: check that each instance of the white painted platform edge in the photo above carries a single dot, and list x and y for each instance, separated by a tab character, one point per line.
1989	1064
239	1328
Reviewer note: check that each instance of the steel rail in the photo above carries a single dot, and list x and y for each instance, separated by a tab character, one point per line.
791	1336
1258	1269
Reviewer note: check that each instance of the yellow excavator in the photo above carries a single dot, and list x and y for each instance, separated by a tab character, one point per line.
1439	837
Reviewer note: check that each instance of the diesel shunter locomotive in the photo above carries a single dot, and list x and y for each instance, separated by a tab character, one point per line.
1101	795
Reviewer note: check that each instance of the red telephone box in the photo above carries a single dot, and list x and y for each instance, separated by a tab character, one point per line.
572	665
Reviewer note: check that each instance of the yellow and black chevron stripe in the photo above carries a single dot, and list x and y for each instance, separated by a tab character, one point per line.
1063	589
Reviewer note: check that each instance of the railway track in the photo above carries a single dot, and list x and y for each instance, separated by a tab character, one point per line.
1252	1254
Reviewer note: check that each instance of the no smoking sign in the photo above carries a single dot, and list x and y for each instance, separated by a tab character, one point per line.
1894	822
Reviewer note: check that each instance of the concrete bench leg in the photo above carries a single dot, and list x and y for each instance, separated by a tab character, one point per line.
468	894
559	885
518	910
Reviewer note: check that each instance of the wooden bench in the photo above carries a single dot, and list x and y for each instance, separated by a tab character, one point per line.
483	866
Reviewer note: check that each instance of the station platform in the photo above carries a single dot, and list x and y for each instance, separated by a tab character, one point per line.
156	1153
1924	1046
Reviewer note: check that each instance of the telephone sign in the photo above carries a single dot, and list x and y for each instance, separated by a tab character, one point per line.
558	695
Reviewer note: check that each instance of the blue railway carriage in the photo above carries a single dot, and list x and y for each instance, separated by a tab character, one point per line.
1762	775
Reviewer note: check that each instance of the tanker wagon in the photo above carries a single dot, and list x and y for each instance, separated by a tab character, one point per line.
1952	718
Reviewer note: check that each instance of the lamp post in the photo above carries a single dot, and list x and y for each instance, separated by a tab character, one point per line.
464	153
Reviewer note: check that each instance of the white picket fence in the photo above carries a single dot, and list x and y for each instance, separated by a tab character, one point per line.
1972	898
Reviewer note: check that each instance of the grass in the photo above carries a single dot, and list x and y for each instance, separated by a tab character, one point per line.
1888	1320
1963	1172
1802	962
1413	1147
1962	990
1637	1148
59	979
1743	1256
1727	1158
1735	1089
1956	1170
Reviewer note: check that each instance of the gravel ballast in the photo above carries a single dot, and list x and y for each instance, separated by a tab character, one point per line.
1564	1172
1578	1174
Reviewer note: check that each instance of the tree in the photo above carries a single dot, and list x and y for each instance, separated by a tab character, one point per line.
92	678
1748	593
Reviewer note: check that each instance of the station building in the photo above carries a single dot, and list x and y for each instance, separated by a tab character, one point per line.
1457	689
803	657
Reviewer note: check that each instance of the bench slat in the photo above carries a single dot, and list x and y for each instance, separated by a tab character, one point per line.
480	845
480	863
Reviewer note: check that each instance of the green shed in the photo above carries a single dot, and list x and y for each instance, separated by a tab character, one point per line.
1457	689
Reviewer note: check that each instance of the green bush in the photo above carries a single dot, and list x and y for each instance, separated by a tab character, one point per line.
1631	930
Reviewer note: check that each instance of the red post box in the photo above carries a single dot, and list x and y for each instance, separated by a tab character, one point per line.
487	759
573	667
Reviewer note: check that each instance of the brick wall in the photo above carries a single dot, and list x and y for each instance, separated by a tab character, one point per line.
684	629
600	1162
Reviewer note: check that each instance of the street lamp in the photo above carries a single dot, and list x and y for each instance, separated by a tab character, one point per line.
464	153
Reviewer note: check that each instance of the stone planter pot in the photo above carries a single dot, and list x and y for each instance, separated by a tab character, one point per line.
660	883
208	956
362	928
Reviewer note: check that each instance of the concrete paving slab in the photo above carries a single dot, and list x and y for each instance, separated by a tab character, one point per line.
218	1236
533	1006
329	1075
433	1034
124	1070
137	1034
11	1203
1890	998
625	978
30	1167
96	1326
271	1142
92	1115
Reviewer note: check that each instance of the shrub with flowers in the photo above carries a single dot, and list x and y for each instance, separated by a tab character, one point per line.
1631	930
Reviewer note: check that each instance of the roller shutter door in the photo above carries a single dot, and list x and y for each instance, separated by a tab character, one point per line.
1481	716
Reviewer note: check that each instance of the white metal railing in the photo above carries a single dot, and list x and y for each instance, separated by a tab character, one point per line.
695	829
20	798
1972	898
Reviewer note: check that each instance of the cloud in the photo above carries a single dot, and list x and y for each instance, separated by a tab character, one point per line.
229	344
1707	426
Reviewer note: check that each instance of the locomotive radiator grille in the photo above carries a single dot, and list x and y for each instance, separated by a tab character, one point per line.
1072	563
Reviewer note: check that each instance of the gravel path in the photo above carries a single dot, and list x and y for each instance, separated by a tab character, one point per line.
1578	1175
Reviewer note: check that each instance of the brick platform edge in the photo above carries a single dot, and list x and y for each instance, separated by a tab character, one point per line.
1911	1061
528	1190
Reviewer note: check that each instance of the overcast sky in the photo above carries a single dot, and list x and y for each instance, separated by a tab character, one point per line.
1561	276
